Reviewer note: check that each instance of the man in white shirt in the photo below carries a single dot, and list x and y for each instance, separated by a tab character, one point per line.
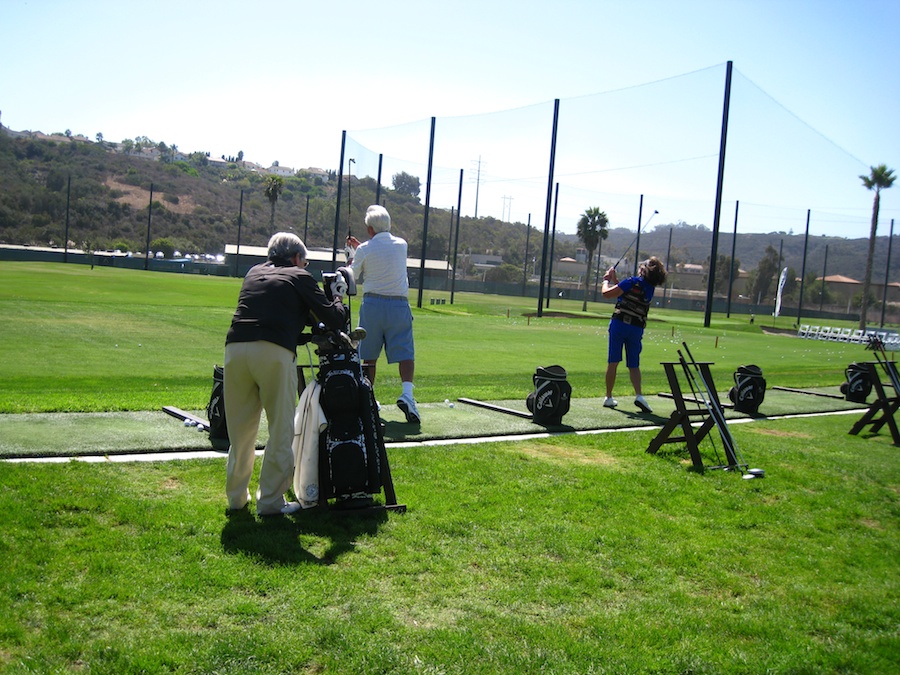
380	266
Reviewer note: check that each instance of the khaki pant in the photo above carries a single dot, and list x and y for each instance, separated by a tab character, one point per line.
259	375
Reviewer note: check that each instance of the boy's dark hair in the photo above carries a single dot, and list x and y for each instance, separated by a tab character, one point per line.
653	271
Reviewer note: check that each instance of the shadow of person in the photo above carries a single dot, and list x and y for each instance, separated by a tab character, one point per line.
559	428
651	416
398	431
276	540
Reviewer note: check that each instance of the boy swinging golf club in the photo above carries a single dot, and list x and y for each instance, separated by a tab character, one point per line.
626	327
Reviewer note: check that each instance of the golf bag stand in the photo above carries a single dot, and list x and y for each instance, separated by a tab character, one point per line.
749	389
551	396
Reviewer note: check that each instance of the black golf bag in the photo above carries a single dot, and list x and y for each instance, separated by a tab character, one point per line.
351	447
858	385
215	412
352	454
550	399
749	389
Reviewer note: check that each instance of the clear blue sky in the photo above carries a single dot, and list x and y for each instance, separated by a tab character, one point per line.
816	100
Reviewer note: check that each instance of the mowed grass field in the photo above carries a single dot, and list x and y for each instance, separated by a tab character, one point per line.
568	554
77	339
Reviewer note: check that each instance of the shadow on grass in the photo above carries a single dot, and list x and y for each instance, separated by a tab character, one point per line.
653	418
277	540
401	430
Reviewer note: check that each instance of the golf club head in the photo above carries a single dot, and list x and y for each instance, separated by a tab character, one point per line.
759	473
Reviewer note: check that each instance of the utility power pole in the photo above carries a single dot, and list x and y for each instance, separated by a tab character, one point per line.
477	184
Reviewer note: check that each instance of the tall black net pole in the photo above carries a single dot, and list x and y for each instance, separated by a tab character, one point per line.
237	252
803	267
540	307
378	183
525	262
731	270
68	196
305	220
149	216
427	210
456	238
337	207
719	184
552	246
449	243
824	273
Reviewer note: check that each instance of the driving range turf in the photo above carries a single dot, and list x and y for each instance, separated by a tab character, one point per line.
564	554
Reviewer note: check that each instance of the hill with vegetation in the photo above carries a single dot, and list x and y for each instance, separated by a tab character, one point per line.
104	194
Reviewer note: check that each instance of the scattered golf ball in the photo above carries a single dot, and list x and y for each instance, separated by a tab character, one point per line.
451	405
187	423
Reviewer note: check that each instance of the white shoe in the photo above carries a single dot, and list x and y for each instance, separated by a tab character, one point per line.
610	402
408	405
291	507
641	403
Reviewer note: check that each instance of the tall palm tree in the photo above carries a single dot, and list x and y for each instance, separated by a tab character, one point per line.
880	178
591	229
274	188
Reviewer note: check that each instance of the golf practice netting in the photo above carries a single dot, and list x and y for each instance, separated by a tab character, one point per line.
649	147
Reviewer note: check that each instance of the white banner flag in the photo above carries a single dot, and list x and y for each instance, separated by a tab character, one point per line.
780	288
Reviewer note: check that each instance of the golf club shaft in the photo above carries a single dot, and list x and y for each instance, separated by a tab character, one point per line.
626	252
647	222
697	396
731	450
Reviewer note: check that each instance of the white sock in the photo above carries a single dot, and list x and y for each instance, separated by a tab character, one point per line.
408	389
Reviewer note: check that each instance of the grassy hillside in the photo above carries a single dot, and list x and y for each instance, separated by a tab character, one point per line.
197	206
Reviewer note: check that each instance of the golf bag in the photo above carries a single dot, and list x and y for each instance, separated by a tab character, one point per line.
749	389
350	448
858	386
215	412
551	396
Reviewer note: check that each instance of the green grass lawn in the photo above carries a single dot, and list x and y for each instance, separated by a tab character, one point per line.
568	554
82	340
562	555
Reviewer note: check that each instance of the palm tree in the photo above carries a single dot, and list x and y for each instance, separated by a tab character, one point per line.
880	178
274	187
592	228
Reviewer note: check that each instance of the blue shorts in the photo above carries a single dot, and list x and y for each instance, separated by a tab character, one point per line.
388	324
630	337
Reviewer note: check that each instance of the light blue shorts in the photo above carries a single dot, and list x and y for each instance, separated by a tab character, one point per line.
388	324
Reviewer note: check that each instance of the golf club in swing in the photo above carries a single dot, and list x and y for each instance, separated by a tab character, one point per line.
646	222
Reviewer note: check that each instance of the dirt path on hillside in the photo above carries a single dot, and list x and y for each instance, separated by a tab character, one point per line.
138	197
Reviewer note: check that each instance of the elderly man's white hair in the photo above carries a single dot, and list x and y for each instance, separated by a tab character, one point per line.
378	218
285	245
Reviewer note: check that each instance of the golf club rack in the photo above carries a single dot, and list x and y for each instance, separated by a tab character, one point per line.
710	410
887	394
350	463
